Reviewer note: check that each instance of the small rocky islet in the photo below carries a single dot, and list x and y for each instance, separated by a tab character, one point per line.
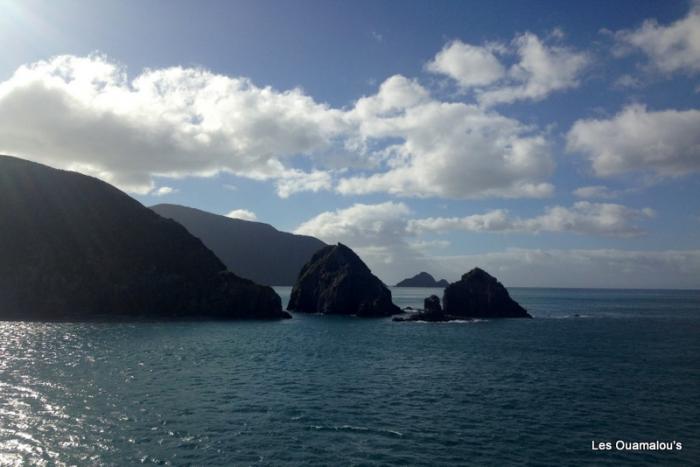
477	295
336	281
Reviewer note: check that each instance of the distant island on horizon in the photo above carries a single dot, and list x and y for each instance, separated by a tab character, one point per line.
422	279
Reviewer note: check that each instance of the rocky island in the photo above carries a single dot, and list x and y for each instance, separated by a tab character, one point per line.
422	279
477	295
75	248
337	281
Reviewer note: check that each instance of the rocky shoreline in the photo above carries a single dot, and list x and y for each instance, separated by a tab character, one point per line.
74	248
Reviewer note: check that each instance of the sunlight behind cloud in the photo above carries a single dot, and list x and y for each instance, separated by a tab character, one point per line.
242	214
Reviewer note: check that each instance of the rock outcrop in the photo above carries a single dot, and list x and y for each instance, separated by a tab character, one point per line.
75	248
431	312
480	295
337	281
432	305
253	250
422	279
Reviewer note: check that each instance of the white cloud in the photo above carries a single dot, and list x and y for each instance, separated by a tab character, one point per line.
243	214
396	94
394	245
359	225
296	181
164	191
492	221
671	48
627	81
467	64
582	218
84	113
666	142
442	149
557	33
427	245
604	268
595	192
377	232
389	223
380	235
586	218
541	70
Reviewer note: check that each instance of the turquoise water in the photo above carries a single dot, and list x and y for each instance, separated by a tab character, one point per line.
597	365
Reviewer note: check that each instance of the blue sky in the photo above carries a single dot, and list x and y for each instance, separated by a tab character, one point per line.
555	145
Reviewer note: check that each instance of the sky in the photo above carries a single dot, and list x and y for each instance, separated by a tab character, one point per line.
553	144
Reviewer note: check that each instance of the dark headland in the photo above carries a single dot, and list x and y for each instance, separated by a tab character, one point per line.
75	248
250	249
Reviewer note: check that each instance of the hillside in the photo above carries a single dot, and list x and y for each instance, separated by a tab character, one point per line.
253	250
74	247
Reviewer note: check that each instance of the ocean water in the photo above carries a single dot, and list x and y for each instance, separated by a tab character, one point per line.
595	365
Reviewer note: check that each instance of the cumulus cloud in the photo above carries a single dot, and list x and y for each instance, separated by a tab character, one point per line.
580	268
163	191
377	232
468	64
627	81
445	149
428	245
360	225
243	214
541	68
582	218
84	113
393	243
390	223
295	181
666	143
595	192
669	49
493	221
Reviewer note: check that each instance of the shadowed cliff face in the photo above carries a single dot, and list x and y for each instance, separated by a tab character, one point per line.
74	247
336	281
253	250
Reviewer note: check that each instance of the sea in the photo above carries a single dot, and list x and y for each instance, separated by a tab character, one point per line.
593	367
